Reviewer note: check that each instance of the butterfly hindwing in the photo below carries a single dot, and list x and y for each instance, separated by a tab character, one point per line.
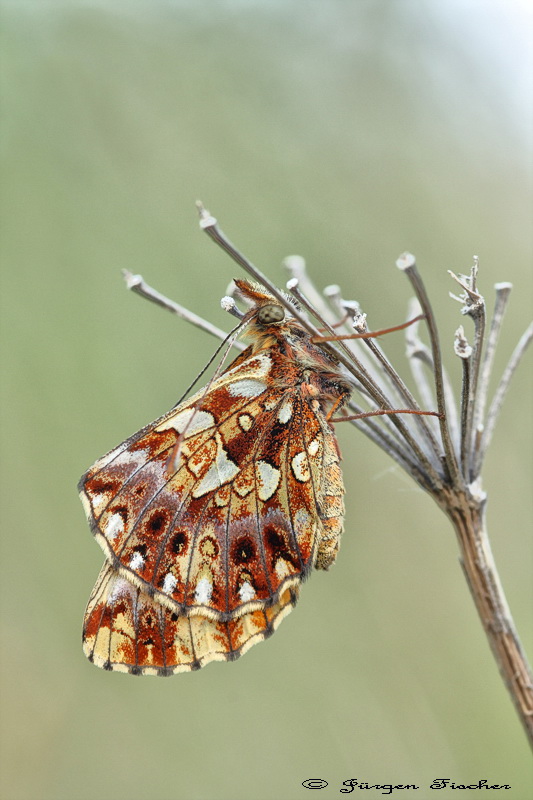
127	631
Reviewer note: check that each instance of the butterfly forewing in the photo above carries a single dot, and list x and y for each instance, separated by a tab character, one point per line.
236	522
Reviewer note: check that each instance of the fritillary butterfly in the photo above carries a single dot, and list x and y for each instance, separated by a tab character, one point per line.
212	516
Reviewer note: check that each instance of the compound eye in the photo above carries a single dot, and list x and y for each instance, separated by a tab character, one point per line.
270	313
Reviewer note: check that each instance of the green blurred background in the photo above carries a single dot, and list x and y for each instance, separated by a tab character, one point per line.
344	131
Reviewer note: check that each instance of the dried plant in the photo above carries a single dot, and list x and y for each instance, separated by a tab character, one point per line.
444	454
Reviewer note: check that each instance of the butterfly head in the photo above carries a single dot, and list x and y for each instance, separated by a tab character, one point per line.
266	320
265	308
270	314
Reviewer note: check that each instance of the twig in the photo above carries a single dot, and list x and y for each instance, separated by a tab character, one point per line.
209	224
407	264
419	357
464	352
474	306
138	285
503	290
501	391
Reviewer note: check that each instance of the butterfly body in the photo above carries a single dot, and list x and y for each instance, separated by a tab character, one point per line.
211	517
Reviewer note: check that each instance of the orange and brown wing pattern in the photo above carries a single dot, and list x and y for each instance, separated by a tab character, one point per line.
127	631
239	520
211	517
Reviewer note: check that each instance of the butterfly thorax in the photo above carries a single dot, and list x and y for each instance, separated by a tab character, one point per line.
300	364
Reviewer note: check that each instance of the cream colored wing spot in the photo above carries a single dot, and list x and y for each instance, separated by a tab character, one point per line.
314	447
248	387
120	587
99	502
285	412
246	592
246	421
136	561
190	420
259	367
114	526
221	471
169	584
300	467
204	590
282	568
267	480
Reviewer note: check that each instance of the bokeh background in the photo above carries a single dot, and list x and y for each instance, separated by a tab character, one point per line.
344	131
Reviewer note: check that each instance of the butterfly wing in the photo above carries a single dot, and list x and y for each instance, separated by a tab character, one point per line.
128	631
253	503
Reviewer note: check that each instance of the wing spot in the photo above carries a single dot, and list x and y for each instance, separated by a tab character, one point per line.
271	403
136	561
247	387
277	546
221	471
314	447
300	467
100	493
285	412
268	480
169	584
243	550
157	521
179	543
204	590
114	526
246	592
246	421
209	547
281	568
190	420
103	487
119	587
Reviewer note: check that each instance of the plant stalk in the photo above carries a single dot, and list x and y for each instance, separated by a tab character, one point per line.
468	519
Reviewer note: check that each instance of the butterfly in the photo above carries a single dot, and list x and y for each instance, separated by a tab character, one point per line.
212	516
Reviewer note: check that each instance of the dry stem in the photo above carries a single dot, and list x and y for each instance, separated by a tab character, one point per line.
487	592
445	460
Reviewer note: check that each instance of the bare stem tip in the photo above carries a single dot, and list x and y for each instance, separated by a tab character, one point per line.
206	220
406	261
